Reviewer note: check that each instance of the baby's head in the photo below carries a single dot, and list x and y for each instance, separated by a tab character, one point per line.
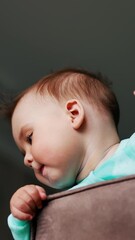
75	83
48	120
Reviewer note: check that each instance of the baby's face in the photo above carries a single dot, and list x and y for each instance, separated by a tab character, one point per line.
43	132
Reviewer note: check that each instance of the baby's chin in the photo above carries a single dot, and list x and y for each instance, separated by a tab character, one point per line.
59	185
64	184
56	180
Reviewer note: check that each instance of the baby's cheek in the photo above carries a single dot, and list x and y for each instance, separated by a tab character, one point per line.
38	154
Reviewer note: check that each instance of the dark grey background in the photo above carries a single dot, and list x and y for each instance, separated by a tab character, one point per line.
37	37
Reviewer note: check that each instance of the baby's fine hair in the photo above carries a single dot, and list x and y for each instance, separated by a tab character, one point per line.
76	83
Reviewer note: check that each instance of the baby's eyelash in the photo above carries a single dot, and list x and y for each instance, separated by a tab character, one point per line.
23	153
29	138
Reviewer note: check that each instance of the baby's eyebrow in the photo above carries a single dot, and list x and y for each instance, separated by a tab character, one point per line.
21	134
23	129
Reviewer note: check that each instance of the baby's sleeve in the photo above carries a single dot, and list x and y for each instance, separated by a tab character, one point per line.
19	229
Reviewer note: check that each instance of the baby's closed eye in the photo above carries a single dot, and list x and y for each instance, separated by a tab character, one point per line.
29	138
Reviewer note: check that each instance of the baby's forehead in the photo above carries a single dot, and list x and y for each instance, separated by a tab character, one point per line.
26	101
34	99
30	94
26	107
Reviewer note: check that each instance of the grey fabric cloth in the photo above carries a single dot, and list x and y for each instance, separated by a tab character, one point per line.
101	211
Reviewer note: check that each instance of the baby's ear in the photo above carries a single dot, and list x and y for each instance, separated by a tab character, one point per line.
76	113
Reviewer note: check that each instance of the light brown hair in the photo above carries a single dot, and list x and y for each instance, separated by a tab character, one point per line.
76	83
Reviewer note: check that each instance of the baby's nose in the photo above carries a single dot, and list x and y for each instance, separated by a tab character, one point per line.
28	159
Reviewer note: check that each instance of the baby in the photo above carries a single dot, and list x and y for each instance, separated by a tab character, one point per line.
65	125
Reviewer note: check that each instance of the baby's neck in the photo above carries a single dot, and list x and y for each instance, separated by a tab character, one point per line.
109	152
98	155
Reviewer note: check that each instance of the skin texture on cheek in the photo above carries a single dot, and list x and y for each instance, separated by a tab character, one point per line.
61	164
59	172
